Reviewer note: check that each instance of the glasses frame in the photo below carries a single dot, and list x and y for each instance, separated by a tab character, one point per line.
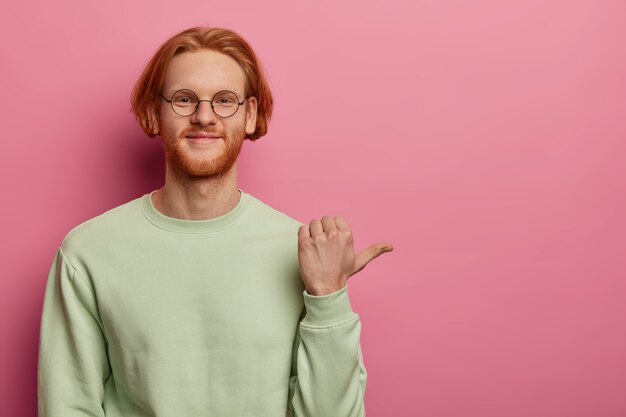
199	101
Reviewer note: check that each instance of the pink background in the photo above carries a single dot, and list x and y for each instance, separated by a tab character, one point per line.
485	140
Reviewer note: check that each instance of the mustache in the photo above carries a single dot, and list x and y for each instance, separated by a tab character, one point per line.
196	132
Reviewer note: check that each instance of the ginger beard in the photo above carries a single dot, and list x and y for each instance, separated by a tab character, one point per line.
200	161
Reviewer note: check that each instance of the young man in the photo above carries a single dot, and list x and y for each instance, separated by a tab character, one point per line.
198	299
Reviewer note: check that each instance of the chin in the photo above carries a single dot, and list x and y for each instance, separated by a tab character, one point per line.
203	169
182	161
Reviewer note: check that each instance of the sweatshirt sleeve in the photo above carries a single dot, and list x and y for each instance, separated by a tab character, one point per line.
72	365
328	377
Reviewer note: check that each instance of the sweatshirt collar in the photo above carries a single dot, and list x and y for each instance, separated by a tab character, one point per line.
192	226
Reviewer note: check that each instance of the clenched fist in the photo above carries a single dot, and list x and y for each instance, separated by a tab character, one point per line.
326	255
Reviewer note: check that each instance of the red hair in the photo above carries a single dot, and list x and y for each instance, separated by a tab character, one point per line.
146	93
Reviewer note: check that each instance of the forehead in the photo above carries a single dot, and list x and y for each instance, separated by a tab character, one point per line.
205	72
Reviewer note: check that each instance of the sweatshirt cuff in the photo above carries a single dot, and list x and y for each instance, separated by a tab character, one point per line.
327	310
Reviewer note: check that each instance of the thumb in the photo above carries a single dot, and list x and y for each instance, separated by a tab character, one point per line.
367	254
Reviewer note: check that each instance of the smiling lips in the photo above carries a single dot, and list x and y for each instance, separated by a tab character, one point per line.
202	137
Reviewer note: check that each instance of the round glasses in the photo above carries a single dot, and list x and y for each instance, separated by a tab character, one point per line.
185	103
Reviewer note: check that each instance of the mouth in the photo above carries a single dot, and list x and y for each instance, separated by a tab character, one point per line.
202	138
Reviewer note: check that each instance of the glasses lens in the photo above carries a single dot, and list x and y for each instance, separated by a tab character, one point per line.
225	103
184	102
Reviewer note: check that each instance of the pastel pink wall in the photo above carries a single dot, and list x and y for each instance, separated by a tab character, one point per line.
485	140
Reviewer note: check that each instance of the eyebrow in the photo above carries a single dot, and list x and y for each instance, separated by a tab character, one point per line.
175	89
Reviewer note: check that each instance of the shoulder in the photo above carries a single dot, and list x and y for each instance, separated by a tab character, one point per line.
96	230
264	212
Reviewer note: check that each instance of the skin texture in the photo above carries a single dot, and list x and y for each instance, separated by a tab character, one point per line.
201	178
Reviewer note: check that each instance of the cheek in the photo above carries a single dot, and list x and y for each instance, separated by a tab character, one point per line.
230	125
172	128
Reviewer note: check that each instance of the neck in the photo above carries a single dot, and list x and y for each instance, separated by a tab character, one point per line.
197	198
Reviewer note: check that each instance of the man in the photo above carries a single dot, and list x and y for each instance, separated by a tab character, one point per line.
197	299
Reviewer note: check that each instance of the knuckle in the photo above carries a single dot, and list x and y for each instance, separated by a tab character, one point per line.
321	237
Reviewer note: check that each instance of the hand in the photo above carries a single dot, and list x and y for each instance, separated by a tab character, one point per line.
326	255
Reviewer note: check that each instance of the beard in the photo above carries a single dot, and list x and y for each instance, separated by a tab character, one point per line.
183	162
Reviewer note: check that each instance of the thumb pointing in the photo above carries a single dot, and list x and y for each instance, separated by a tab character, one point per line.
369	253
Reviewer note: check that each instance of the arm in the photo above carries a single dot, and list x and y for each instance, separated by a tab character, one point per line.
328	377
73	364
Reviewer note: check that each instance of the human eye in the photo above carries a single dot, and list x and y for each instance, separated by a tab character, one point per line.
184	99
226	99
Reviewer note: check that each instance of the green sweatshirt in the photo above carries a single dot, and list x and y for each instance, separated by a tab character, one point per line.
145	315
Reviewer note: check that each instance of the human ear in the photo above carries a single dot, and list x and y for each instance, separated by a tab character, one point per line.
152	121
251	109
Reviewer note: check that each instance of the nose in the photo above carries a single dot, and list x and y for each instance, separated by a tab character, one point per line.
204	115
